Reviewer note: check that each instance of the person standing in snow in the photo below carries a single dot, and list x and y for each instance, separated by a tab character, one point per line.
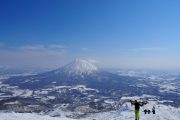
137	107
145	111
153	110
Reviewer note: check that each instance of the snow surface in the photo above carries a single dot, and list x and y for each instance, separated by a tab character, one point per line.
28	116
83	88
126	112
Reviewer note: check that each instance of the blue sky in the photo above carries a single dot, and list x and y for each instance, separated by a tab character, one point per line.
111	33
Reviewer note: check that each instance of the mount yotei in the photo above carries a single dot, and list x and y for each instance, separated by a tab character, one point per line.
78	72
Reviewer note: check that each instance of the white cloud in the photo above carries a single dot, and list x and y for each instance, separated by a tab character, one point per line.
53	46
33	55
32	47
54	49
84	49
149	49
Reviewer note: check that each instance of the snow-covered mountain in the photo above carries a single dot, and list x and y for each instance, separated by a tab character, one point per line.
78	67
78	72
83	73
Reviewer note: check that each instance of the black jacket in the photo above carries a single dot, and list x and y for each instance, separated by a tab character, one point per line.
137	104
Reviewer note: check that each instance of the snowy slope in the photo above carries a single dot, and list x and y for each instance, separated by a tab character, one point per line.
124	113
127	113
27	116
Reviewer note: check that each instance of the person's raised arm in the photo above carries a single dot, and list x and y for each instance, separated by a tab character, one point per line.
132	102
143	103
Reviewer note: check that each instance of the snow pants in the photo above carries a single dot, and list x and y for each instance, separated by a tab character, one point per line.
136	114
